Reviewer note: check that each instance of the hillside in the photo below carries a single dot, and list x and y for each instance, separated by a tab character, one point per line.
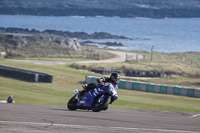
36	45
121	8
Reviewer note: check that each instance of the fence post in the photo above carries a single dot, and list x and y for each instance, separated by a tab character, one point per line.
137	57
100	55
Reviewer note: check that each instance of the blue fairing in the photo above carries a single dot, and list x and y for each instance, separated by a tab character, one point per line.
90	96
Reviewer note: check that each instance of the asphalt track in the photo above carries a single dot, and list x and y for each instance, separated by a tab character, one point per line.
57	119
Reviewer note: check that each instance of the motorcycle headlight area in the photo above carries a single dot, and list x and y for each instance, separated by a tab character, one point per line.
112	89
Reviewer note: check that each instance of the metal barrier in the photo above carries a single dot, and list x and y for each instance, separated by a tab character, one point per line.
24	74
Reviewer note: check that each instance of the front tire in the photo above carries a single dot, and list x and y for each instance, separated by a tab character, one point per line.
101	106
71	105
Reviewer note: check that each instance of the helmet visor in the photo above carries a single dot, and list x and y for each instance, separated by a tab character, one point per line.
116	80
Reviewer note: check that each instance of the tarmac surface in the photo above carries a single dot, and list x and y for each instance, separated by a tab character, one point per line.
58	119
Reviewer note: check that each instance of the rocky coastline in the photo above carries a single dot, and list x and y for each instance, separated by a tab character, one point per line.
78	35
61	34
106	44
18	41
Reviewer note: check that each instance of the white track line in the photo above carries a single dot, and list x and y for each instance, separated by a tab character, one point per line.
100	127
197	115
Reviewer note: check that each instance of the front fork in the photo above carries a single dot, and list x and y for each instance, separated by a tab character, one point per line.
76	94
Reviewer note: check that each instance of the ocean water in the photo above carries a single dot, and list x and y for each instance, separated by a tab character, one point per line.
166	35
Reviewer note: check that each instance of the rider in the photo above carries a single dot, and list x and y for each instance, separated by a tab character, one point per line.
113	79
10	99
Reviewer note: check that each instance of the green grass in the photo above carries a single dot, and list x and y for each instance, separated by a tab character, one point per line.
56	59
65	79
187	69
59	54
150	101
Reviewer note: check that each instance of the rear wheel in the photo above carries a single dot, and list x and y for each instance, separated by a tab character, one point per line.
103	105
71	105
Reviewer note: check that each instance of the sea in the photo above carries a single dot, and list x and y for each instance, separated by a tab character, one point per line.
161	35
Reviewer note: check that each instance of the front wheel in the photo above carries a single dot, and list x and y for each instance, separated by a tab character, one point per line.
71	105
103	105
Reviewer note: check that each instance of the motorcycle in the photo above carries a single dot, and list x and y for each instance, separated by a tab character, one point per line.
96	99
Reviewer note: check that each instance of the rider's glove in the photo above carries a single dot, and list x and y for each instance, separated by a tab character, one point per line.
100	80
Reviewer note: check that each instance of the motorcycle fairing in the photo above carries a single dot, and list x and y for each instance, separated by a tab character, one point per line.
89	97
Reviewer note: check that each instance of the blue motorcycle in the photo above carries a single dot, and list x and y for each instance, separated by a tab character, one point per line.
96	99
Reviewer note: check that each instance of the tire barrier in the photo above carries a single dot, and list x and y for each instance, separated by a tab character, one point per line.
105	71
24	74
135	73
139	73
153	88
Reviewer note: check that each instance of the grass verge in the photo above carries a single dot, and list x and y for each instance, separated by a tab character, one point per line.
185	65
65	79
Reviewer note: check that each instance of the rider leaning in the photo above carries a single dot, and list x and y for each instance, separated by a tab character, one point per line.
113	79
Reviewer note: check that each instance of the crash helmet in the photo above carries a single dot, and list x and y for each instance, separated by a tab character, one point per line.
115	77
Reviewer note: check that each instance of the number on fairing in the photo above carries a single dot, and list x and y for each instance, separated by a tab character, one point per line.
96	91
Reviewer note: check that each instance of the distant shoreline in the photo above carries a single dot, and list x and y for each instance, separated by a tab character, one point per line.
78	35
130	9
73	35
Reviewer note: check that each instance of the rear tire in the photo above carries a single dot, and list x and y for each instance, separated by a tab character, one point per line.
71	105
101	106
